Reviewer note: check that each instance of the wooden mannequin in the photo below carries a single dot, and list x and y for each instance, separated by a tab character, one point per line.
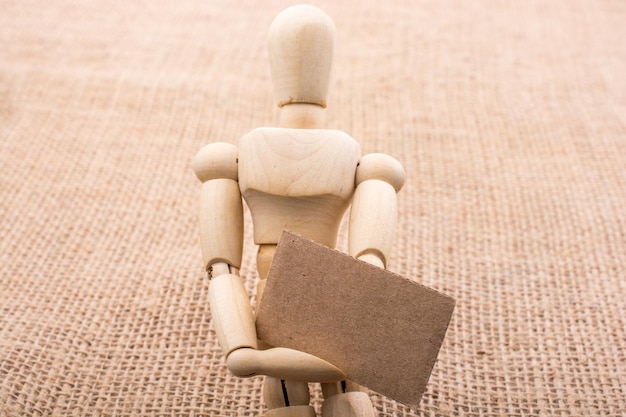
300	177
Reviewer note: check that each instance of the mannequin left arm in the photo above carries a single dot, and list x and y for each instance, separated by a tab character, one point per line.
374	208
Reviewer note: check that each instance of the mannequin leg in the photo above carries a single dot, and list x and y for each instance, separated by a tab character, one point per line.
287	398
346	399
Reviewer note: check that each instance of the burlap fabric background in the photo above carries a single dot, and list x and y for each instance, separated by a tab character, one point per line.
509	116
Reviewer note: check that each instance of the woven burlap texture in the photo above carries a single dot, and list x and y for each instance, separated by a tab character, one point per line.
509	117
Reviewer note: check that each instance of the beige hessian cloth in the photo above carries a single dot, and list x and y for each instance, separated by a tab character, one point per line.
509	116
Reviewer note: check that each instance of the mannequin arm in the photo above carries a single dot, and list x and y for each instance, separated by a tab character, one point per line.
221	240
374	208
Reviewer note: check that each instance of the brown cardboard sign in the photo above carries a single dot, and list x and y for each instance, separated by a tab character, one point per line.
381	329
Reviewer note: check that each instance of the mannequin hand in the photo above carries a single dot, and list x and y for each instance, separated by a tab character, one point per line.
283	363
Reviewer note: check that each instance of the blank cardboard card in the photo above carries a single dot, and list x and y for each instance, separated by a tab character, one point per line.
382	330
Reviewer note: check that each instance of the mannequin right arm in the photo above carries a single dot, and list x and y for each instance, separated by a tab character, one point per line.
221	209
221	239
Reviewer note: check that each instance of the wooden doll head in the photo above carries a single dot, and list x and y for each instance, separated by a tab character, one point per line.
301	47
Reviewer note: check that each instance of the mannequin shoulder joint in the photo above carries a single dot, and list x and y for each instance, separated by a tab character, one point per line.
216	160
378	166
